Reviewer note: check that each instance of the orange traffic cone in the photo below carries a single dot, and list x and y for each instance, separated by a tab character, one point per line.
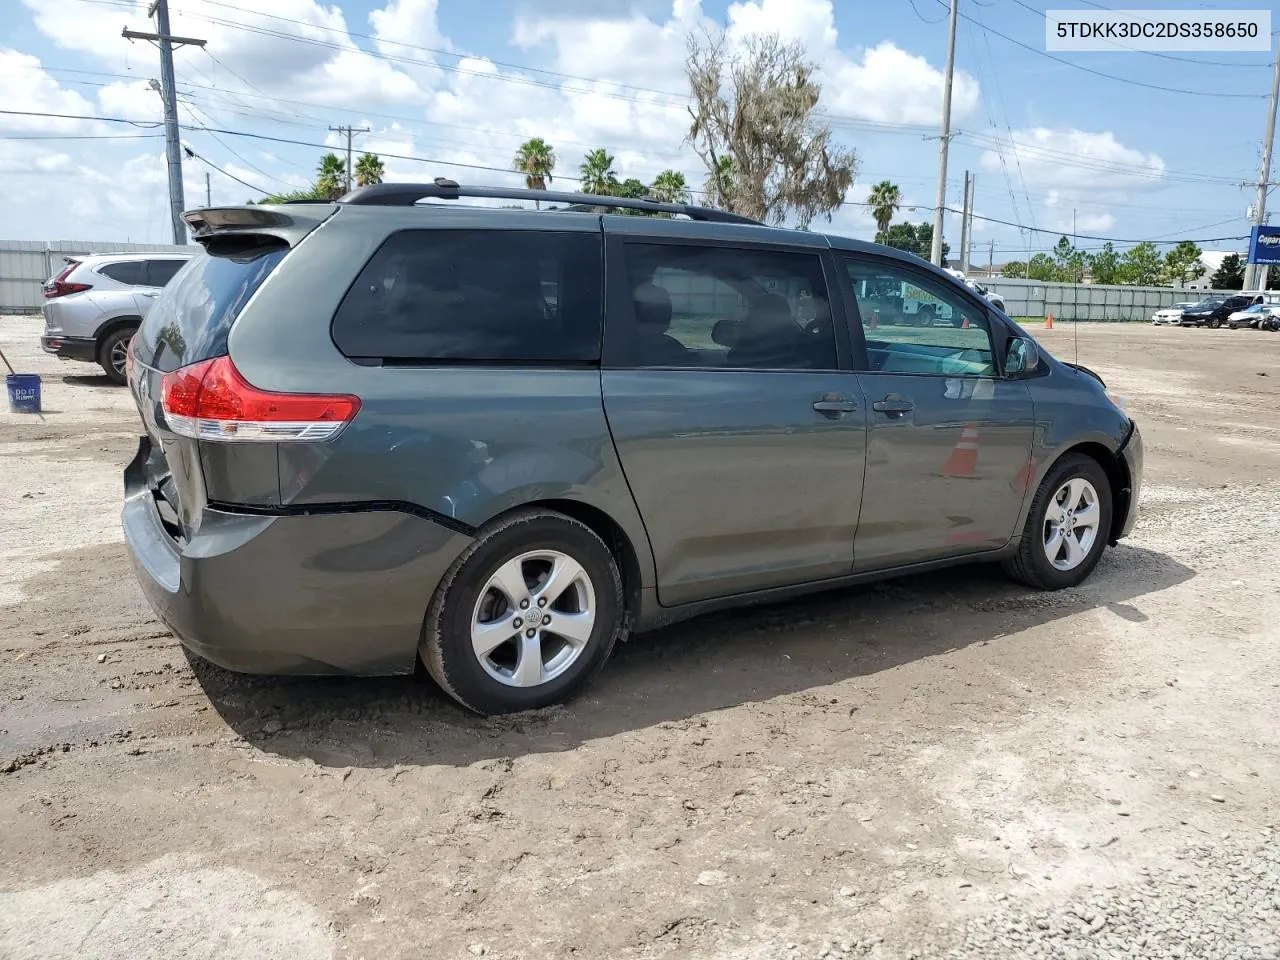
964	458
875	320
1048	322
964	323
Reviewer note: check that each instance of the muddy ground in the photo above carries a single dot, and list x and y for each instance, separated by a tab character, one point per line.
872	772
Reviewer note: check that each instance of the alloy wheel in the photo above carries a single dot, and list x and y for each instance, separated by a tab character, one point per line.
533	618
1071	524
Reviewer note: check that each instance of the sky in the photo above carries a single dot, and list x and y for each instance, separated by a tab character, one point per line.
1118	145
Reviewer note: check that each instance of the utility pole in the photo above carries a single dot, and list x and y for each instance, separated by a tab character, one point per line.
973	188
168	92
991	259
966	241
208	193
1260	203
939	208
349	131
964	227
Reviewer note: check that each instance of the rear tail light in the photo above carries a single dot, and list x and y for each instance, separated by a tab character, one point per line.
59	287
210	400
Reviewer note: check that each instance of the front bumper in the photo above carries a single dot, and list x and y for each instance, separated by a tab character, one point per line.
322	593
1132	454
71	348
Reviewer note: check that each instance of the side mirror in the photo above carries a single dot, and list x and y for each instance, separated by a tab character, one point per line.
1022	359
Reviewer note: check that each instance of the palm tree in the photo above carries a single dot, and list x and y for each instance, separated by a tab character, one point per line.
669	186
331	177
369	169
884	199
720	187
535	159
598	175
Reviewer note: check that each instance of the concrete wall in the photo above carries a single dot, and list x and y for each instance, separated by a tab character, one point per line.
1088	301
26	264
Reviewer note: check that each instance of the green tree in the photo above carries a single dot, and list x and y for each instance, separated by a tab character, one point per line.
369	170
1042	267
1141	265
331	177
884	199
1068	263
757	106
1230	275
912	237
1014	270
670	187
535	159
631	187
598	175
1183	263
311	193
720	184
1105	264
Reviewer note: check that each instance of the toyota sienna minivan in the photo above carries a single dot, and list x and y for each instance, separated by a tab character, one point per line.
398	427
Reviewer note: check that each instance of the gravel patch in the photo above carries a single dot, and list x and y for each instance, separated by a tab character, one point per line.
1216	902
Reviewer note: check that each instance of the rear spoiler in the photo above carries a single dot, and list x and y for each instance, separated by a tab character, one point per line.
256	224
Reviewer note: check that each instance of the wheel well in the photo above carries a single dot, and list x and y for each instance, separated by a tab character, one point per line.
615	538
1118	477
110	327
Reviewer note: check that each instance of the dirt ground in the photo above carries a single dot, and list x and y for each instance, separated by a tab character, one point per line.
871	772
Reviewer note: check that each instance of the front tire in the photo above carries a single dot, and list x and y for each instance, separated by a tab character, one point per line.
1067	526
112	354
526	616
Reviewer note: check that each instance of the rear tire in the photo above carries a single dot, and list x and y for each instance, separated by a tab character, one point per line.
1214	323
529	566
1082	480
112	352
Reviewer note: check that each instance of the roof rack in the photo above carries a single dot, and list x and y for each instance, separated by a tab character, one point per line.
407	194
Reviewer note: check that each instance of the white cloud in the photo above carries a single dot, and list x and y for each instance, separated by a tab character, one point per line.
135	99
24	85
471	109
1079	168
884	83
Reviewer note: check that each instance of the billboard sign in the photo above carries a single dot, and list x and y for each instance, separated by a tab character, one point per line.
1264	245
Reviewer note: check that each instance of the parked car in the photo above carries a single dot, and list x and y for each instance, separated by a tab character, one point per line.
378	431
1171	315
1252	316
94	304
1213	311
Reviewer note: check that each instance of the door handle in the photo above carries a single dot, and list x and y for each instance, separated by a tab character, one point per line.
833	405
894	406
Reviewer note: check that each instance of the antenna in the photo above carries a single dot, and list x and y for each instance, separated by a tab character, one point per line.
1075	333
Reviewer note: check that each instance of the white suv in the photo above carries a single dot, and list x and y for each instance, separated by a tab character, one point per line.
93	307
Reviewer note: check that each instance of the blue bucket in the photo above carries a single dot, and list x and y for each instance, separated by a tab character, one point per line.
24	392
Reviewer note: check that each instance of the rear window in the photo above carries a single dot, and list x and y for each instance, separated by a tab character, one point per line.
190	320
160	272
476	295
125	271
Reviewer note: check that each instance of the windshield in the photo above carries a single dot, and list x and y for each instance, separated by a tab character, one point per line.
1209	304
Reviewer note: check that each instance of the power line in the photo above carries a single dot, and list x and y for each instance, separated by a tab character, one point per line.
191	108
191	153
923	17
94	136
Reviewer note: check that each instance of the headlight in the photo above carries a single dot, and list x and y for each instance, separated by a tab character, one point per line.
1119	401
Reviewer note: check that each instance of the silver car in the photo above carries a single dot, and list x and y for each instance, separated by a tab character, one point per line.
94	305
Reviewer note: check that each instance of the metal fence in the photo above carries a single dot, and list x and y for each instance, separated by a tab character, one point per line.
1089	301
26	264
